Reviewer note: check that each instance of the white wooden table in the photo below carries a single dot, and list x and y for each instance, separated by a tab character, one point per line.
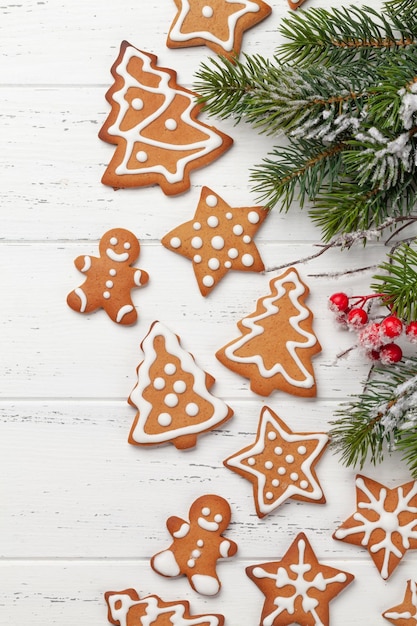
81	510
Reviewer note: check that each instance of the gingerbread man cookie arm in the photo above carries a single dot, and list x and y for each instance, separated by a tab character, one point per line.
84	263
227	548
177	527
140	277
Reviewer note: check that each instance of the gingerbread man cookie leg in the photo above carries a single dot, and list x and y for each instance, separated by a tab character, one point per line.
110	278
198	544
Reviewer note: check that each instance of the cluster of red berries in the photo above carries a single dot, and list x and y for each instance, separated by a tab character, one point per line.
376	337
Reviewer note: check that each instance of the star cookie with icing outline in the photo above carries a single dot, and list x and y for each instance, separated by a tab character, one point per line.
298	588
385	522
280	464
218	24
219	238
404	614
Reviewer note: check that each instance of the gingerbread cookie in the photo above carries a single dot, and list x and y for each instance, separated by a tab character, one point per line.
277	341
404	614
295	4
218	239
218	24
153	123
280	464
298	588
198	544
172	394
126	608
385	522
110	278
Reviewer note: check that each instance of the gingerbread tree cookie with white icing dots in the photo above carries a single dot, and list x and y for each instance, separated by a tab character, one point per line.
218	24
298	588
277	341
385	522
280	464
110	278
126	608
153	123
219	238
198	544
172	394
405	613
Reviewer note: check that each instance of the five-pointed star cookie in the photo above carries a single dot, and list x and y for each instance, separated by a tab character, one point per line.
404	614
385	522
280	464
298	589
219	24
217	239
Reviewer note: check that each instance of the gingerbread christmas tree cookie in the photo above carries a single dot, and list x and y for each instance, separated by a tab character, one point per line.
218	24
385	522
154	125
219	238
172	394
298	588
126	608
277	341
280	464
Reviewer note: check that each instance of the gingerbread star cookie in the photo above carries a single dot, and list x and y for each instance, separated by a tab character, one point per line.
172	397
126	608
385	522
219	238
404	614
277	342
298	588
154	124
218	24
280	464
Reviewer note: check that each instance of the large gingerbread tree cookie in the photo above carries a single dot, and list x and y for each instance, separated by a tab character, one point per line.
277	341
153	123
172	394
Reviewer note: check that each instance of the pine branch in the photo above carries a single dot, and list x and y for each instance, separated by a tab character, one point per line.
383	418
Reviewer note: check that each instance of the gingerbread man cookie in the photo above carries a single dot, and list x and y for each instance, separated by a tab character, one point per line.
110	278
198	544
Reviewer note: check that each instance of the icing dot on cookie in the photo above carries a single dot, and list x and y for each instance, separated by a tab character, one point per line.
247	239
196	225
211	200
229	215
113	241
159	382
137	104
170	124
218	518
217	242
228	264
170	369
112	272
238	229
171	400
275	482
271	435
180	386
192	409
195	553
289	458
278	450
269	465
233	253
175	242
164	419
301	449
207	11
191	563
213	221
141	156
205	511
269	495
303	484
251	461
213	263
200	543
106	294
109	284
196	242
197	258
253	217
248	260
127	245
208	281
281	471
294	476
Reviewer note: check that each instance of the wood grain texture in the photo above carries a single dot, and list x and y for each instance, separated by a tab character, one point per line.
81	510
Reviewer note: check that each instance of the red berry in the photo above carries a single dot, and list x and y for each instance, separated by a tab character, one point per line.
391	326
370	336
390	353
357	318
338	302
373	355
411	332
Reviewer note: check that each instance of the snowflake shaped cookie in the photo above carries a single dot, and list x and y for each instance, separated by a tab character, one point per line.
297	589
280	464
385	522
126	608
219	24
219	238
404	614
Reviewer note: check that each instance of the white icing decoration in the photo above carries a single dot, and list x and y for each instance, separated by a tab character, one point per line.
211	200
106	295
213	221
135	134
124	310
195	553
180	386
83	298
113	241
208	281
183	531
137	277
118	258
206	585
159	383
207	11
271	307
206	511
171	400
137	104
197	258
217	242
142	156
170	124
219	409
175	242
87	264
197	226
229	215
200	543
301	449
233	253
112	272
253	217
227	44
248	260
213	263
218	518
238	229
246	239
289	458
109	284
205	524
191	563
127	245
228	264
197	243
164	419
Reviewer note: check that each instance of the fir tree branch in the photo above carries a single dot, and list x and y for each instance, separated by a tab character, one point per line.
398	281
